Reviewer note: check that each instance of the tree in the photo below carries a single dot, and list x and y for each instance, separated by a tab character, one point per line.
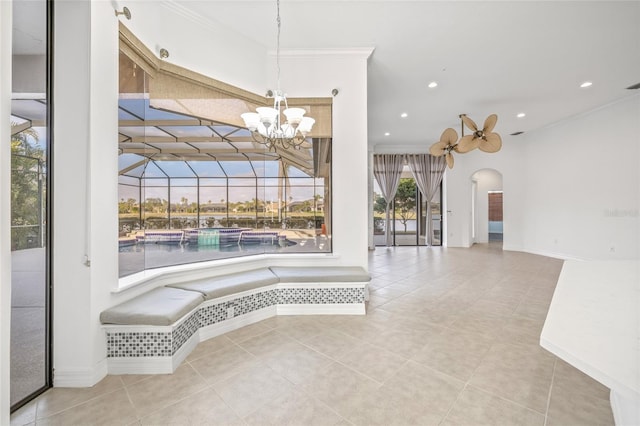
379	204
405	201
27	192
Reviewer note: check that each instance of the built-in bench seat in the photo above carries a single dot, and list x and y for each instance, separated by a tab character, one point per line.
155	331
160	306
224	285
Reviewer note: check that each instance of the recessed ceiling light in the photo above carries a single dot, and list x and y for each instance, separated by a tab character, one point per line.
433	84
520	115
387	134
404	115
586	84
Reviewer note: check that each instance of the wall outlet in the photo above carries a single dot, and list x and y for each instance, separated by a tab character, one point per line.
231	311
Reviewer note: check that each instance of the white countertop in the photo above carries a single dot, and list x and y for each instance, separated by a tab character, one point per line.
593	322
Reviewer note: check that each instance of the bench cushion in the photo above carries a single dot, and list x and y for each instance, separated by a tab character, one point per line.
225	285
160	306
321	274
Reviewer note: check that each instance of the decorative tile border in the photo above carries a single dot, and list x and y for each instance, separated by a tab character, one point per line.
166	344
138	344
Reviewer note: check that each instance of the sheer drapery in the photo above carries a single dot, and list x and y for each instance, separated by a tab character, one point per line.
387	169
427	171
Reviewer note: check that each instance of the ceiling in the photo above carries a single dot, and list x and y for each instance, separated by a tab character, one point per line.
503	57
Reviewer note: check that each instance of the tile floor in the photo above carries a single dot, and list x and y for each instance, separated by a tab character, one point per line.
450	338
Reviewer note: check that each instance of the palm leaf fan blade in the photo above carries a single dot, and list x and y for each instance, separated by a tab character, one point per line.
469	123
490	123
467	143
437	149
449	136
449	159
492	143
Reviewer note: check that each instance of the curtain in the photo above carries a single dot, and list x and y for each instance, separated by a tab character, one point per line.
387	169
427	171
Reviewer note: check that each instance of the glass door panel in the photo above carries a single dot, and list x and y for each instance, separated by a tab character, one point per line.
30	372
405	213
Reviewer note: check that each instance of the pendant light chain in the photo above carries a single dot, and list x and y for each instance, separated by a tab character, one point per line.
278	44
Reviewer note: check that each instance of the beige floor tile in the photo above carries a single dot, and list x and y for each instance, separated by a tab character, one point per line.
476	408
405	342
532	310
265	343
519	373
107	409
161	390
484	306
392	291
249	390
413	321
247	332
202	408
24	415
59	399
576	397
455	353
294	408
375	301
131	379
521	330
442	315
295	361
223	364
339	387
359	328
415	395
209	346
487	324
331	343
396	306
372	361
301	327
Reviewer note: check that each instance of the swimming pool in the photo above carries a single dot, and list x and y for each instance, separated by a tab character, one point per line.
159	248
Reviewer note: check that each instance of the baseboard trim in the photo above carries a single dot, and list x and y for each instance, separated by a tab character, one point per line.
80	378
625	411
325	309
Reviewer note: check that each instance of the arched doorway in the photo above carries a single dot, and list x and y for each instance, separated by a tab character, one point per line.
487	206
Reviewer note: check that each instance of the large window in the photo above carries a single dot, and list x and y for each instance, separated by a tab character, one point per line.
194	188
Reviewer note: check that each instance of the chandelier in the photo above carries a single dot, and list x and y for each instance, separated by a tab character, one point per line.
266	124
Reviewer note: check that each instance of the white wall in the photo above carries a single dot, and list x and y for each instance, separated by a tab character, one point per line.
6	28
571	190
509	163
71	136
315	74
85	262
583	185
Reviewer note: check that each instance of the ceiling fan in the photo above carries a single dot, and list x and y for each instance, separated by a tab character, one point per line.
484	139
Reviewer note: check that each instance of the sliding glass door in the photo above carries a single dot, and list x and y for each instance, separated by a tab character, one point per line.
408	215
30	201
